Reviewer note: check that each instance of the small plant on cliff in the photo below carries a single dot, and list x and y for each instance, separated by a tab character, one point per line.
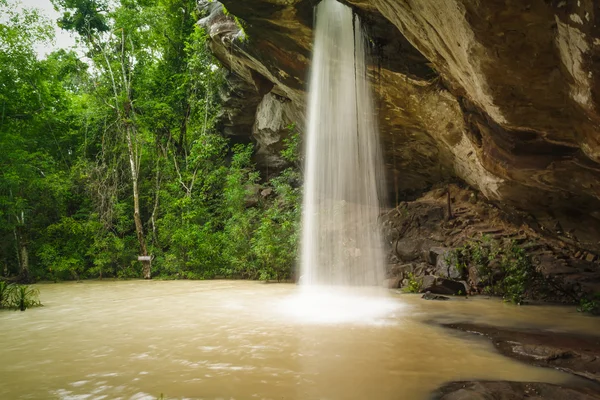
292	146
414	284
240	24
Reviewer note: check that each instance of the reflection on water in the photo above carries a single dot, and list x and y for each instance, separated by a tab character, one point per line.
245	340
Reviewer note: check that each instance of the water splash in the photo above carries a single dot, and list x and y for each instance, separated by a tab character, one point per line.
342	305
341	240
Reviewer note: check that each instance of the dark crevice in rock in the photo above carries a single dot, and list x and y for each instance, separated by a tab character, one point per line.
305	12
263	84
390	49
250	11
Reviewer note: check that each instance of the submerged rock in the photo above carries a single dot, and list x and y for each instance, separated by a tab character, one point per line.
429	296
576	354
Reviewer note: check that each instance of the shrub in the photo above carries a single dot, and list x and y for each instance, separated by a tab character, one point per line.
18	297
415	285
494	258
590	304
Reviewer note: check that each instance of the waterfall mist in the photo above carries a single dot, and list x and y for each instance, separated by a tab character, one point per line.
341	239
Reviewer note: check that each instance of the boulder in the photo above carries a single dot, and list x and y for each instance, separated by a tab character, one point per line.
439	257
266	192
435	253
411	249
392	283
438	285
428	282
399	270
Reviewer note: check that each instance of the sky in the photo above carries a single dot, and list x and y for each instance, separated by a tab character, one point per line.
62	39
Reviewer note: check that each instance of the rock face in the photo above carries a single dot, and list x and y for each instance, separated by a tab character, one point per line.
501	95
422	238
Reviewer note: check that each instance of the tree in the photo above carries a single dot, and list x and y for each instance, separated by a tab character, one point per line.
27	168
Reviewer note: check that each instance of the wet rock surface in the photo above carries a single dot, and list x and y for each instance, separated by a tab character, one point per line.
512	391
438	285
575	354
431	296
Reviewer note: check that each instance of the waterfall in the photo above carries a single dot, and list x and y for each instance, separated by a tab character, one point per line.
341	240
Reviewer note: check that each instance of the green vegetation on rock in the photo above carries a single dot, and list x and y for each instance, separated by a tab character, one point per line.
502	266
415	284
590	304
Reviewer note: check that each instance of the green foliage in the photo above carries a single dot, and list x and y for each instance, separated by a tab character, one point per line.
590	304
4	293
503	267
475	253
239	22
24	297
275	242
292	146
18	297
518	273
415	284
147	95
85	17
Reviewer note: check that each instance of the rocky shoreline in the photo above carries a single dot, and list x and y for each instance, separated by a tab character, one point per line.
578	355
512	391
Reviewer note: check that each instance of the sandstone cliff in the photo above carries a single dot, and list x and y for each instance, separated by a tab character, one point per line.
501	95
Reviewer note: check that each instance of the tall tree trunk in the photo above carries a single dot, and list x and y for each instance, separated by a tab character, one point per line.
156	197
22	255
139	228
24	261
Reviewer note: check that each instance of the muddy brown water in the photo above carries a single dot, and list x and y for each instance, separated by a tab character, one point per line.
246	340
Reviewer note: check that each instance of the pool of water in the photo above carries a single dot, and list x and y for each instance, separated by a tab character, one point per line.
246	340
